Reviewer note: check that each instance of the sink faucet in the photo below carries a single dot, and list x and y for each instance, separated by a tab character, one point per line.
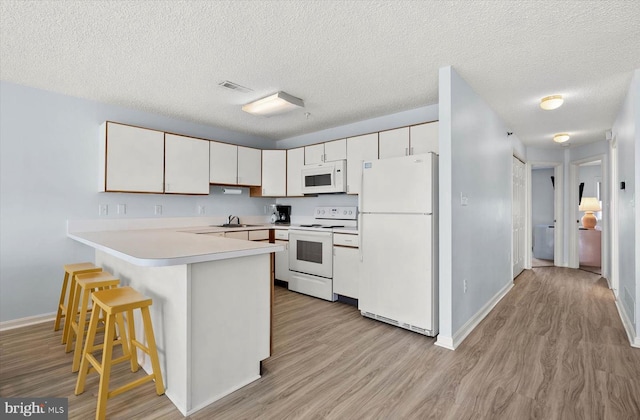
231	217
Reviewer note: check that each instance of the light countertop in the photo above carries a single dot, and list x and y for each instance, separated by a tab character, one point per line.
165	247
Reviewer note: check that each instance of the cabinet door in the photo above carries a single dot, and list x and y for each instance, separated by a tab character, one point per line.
295	162
186	165
335	150
249	166
313	154
134	158
394	143
274	173
223	163
282	262
424	138
346	271
359	149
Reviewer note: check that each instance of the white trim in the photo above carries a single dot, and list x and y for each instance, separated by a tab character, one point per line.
445	342
471	324
628	326
25	322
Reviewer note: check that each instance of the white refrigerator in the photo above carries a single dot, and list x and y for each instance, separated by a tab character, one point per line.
398	236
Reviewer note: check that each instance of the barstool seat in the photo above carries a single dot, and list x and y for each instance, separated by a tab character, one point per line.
116	302
85	285
70	271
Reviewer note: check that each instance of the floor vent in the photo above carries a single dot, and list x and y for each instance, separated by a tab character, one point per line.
398	324
234	86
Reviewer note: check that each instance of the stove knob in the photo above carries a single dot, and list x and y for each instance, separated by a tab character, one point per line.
322	211
344	212
350	212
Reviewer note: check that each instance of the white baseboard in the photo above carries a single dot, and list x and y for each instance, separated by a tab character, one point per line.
628	326
24	322
452	343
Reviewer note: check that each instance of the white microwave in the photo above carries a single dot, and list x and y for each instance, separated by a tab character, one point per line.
326	177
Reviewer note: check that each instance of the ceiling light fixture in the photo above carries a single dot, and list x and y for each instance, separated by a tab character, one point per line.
275	104
561	137
551	102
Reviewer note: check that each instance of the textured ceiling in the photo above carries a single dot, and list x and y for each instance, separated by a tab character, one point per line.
348	60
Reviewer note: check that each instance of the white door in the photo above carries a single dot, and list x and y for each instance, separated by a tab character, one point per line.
397	271
274	173
295	162
186	165
223	163
398	185
518	216
282	262
359	149
424	138
393	143
335	150
314	154
249	166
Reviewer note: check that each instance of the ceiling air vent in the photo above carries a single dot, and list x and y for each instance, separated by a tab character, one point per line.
234	86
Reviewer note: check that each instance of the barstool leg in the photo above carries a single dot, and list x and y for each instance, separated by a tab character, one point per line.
153	351
132	336
103	389
69	315
63	295
124	339
77	355
88	346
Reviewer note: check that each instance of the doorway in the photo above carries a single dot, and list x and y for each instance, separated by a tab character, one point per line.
588	195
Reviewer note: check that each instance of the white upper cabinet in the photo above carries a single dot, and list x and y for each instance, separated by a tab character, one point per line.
295	162
313	154
394	143
133	158
274	173
325	152
249	166
424	138
223	163
186	161
234	165
359	149
335	150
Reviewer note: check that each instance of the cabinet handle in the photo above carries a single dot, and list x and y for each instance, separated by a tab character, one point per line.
411	150
324	157
406	151
264	191
167	187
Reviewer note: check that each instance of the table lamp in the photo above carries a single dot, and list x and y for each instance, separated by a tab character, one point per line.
588	205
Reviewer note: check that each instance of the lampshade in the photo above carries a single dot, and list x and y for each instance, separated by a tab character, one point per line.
589	204
277	103
551	102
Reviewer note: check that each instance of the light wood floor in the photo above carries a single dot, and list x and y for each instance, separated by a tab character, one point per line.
553	348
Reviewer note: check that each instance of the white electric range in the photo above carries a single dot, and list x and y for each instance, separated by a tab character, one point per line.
311	250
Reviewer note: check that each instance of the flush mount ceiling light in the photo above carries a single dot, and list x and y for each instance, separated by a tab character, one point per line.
561	137
551	102
275	104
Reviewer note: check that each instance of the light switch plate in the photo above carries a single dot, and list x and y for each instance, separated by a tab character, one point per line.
158	209
103	209
122	209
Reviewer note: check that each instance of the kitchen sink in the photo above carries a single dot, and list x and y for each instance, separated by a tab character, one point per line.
234	225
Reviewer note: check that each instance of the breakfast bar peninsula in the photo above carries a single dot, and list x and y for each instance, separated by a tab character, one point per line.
211	305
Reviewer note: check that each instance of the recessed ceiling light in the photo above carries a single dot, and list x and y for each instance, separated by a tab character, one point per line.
551	102
273	104
561	137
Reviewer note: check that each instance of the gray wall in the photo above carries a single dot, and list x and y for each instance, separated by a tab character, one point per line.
626	130
49	174
541	196
475	240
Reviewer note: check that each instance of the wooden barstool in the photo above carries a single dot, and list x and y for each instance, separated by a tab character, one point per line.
70	271
85	285
115	302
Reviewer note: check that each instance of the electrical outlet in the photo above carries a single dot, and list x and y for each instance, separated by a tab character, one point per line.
122	209
200	209
103	209
465	285
158	209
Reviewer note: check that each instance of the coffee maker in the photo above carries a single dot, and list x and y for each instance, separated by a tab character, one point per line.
283	215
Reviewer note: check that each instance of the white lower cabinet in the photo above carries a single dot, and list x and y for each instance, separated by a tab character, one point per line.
282	262
346	265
